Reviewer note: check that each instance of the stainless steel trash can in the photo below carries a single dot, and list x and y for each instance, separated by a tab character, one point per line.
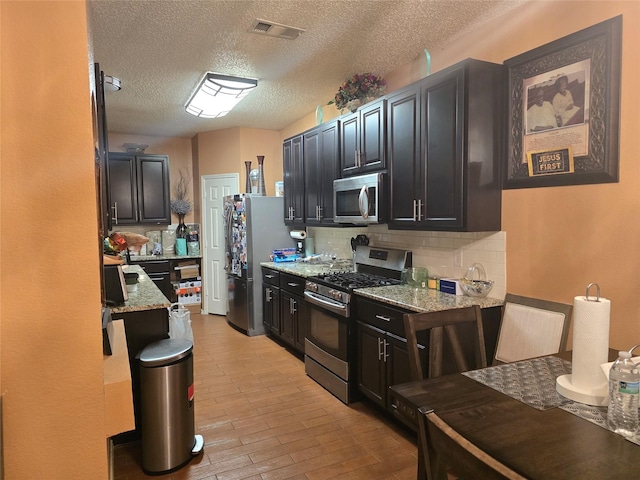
167	405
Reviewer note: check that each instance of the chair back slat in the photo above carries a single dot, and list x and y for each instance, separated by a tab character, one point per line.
441	324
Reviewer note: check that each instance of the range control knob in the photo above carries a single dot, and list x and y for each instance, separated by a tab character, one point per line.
312	287
335	294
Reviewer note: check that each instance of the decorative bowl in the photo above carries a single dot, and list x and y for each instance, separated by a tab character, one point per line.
475	283
476	288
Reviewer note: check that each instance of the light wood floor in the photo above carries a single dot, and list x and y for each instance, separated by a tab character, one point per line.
262	418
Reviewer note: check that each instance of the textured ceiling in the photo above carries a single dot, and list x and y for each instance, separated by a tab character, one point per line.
161	49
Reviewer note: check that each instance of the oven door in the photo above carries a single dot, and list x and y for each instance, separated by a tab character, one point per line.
327	330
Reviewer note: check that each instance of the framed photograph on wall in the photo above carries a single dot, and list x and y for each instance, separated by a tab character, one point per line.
564	102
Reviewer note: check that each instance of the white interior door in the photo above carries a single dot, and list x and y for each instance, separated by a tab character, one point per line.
214	188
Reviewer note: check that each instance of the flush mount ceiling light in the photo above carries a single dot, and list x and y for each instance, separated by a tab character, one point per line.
111	84
218	94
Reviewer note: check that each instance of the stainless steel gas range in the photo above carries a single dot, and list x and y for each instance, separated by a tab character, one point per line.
330	345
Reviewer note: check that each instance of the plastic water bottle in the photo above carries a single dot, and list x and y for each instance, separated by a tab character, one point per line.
624	383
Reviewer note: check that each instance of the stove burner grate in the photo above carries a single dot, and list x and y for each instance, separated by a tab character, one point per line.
351	280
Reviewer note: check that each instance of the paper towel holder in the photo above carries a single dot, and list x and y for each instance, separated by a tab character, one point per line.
596	395
586	296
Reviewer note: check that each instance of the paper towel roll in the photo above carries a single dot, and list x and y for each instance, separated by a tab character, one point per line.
298	234
590	342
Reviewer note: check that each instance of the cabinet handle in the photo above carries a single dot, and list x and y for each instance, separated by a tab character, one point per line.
356	159
292	306
414	209
379	349
361	155
385	354
292	284
115	212
382	317
269	276
419	210
268	292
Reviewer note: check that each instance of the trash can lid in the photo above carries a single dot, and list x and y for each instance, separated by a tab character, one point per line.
165	352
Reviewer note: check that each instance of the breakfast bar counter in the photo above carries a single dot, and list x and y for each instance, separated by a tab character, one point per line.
146	319
145	296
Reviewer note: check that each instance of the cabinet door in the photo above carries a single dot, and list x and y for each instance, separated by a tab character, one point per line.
321	157
312	177
350	144
403	149
301	323
288	305
363	139
330	161
443	114
371	368
372	136
153	189
102	152
398	360
123	188
293	171
271	308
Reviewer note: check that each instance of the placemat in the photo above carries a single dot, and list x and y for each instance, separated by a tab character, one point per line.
532	382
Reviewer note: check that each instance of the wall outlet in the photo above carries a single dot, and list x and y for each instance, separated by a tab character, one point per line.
457	258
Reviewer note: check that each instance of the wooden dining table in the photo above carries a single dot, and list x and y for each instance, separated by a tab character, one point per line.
550	443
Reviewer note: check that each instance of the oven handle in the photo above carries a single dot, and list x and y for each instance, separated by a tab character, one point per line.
331	305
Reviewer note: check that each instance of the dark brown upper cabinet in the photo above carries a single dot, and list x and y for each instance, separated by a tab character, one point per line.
444	146
362	146
139	189
321	167
293	177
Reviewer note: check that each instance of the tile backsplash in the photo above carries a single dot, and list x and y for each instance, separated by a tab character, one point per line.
440	252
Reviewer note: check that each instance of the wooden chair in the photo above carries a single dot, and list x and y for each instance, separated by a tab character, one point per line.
438	323
466	459
531	328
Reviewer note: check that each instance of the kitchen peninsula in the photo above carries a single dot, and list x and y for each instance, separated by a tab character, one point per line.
146	319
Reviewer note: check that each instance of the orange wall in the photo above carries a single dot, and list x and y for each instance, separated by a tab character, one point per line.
51	348
225	151
560	239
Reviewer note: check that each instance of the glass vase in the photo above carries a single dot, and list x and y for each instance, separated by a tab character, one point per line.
262	189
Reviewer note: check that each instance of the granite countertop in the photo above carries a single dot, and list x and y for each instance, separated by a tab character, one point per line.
403	296
146	297
309	269
423	299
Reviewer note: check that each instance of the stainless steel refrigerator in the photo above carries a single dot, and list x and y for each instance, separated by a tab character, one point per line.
254	227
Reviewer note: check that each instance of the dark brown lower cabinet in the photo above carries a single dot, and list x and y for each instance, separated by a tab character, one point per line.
383	358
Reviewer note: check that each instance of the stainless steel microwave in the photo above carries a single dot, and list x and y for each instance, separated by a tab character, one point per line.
359	200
